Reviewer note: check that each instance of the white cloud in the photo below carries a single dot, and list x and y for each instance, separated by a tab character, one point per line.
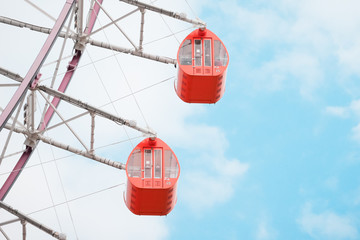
337	111
332	183
295	42
202	190
357	197
294	69
328	224
356	133
353	109
264	229
215	178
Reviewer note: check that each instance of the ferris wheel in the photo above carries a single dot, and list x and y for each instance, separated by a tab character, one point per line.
100	110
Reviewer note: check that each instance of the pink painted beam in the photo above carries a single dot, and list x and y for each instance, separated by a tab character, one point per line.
62	88
15	173
5	189
93	16
34	69
71	67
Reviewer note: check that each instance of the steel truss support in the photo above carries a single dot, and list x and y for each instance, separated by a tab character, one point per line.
76	102
79	16
9	222
49	113
34	69
142	22
67	147
32	221
23	223
180	16
4	234
112	22
118	27
86	106
10	133
93	42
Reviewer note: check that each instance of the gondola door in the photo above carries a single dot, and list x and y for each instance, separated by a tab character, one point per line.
148	158
153	168
198	57
202	57
207	57
158	166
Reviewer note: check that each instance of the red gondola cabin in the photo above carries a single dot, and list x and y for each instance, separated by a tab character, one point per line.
202	62
152	170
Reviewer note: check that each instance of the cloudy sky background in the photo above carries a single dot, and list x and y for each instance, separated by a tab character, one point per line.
276	158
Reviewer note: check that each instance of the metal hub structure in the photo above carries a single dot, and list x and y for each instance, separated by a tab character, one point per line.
30	89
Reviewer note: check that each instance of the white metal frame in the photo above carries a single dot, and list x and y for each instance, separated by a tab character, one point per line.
82	39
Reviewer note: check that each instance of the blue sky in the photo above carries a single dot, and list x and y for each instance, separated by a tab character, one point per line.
291	113
276	158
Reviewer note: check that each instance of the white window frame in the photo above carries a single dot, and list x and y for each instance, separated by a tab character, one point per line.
160	150
209	40
151	163
201	53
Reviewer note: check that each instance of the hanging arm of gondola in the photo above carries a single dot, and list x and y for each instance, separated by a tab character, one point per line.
180	16
67	147
86	106
91	41
79	103
25	217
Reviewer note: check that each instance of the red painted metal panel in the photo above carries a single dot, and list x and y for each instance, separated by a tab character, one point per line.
152	199
205	83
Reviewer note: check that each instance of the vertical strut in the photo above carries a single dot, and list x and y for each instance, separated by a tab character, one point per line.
141	29
23	223
92	132
49	113
32	221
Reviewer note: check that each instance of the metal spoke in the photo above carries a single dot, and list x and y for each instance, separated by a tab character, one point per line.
112	22
13	154
4	234
43	12
10	85
10	221
66	121
32	221
62	119
69	148
11	131
118	27
175	15
96	110
12	118
92	42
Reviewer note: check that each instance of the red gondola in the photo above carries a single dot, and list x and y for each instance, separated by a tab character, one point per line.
202	62
152	170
